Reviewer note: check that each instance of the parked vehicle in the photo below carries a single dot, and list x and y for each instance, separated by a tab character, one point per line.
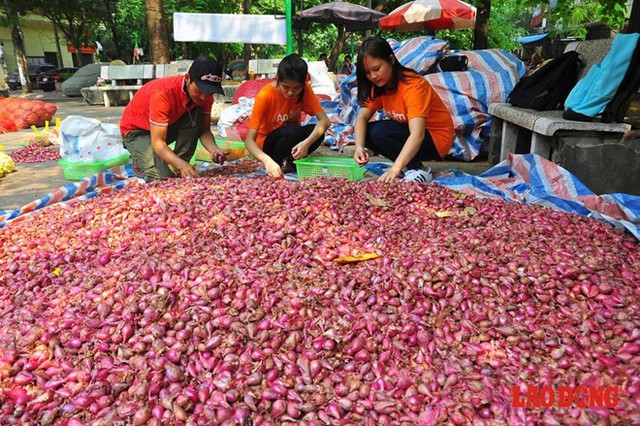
85	77
35	70
47	81
236	69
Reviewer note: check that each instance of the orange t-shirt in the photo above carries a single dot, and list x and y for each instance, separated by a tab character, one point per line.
416	98
271	110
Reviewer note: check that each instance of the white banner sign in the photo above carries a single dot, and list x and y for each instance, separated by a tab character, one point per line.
226	28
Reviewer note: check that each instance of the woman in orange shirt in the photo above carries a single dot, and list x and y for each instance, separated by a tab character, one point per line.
419	126
275	135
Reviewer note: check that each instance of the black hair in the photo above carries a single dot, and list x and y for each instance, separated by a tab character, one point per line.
322	56
293	67
347	56
379	48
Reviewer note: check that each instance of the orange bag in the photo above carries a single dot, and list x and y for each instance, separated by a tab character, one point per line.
25	113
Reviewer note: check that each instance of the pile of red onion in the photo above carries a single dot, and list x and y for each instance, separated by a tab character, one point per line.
221	300
35	153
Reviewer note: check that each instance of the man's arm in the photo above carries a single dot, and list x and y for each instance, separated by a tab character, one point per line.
209	142
159	145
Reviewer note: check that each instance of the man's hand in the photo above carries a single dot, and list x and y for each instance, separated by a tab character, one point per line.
361	156
273	169
219	156
187	171
299	151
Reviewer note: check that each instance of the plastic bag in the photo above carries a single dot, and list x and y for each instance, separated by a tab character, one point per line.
46	137
89	140
234	116
25	112
249	89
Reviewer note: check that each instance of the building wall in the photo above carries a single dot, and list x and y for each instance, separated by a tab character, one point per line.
38	39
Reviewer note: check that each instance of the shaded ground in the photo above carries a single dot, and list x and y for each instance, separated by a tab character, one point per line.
32	181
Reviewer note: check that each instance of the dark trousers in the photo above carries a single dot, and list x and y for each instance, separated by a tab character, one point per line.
387	138
279	143
184	132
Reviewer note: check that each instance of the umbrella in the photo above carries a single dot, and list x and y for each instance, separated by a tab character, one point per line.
430	15
352	16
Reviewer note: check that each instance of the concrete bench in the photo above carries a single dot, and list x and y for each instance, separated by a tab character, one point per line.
546	128
121	73
580	147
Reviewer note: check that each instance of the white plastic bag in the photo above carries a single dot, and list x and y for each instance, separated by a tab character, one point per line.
321	81
89	140
235	114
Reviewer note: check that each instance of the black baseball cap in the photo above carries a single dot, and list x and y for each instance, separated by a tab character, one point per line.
207	74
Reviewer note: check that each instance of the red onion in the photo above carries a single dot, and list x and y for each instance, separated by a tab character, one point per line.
217	300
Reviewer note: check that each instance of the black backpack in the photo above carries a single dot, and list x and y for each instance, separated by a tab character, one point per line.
548	87
616	109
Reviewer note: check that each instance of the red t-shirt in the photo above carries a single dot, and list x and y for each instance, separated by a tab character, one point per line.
271	110
416	98
160	102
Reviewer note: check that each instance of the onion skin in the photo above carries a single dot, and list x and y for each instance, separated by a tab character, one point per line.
218	300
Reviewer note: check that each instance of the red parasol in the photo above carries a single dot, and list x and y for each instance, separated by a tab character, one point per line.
430	15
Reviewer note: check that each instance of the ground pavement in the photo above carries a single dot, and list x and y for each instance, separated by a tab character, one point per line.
32	181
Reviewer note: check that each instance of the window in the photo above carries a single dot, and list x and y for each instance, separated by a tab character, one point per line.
51	58
35	60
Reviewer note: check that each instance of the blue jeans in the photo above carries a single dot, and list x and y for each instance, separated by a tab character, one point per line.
387	138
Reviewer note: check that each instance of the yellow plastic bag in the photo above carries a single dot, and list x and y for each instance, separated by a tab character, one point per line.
47	136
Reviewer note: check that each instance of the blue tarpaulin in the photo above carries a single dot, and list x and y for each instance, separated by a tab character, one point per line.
532	38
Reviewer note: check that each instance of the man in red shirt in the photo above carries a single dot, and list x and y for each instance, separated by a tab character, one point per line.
172	109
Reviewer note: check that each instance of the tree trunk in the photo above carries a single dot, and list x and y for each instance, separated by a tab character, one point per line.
158	38
58	51
76	45
634	19
367	33
337	48
481	32
18	45
112	16
246	50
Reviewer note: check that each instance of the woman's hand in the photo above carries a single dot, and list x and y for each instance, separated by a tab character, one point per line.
361	156
300	151
273	169
389	176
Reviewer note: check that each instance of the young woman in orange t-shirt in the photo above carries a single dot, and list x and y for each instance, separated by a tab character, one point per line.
275	135
419	128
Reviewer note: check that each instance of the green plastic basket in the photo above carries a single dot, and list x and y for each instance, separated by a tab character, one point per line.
311	167
73	170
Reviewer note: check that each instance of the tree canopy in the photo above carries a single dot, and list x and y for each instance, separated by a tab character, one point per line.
122	24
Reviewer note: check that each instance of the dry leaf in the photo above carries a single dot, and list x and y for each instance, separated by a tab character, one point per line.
459	195
359	258
469	211
445	213
376	201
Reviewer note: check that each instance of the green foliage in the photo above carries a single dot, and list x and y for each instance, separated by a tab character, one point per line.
77	19
507	23
568	18
458	39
